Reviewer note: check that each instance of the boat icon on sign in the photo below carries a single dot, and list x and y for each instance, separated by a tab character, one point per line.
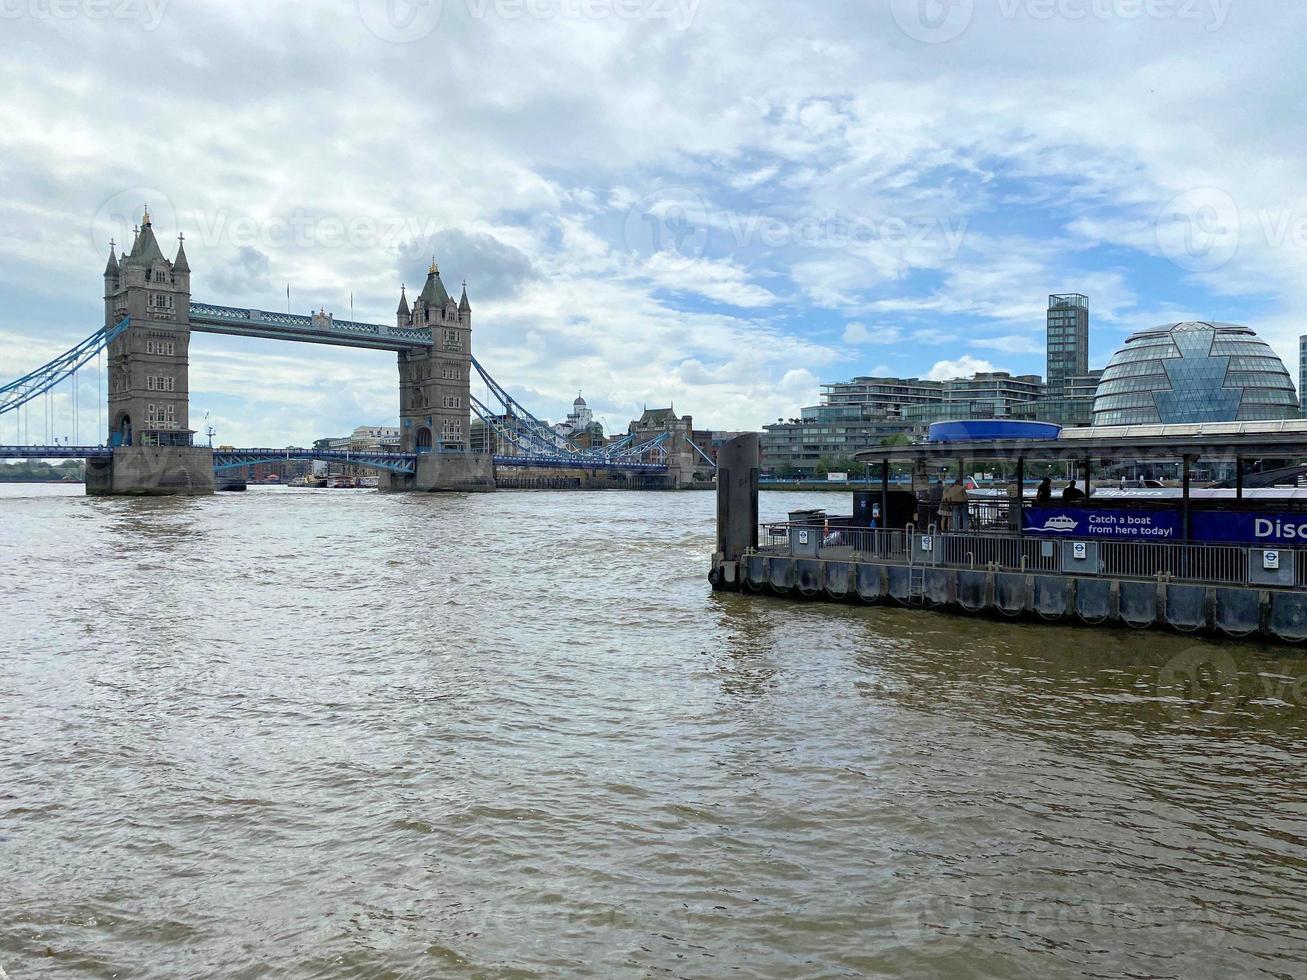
1060	524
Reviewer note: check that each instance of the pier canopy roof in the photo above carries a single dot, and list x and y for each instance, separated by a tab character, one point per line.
1221	440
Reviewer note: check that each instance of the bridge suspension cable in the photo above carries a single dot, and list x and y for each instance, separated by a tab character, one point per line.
41	381
533	438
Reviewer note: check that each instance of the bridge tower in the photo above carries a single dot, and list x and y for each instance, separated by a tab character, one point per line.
435	408
149	394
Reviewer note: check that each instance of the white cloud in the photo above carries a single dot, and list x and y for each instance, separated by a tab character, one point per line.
975	205
859	333
1012	343
964	367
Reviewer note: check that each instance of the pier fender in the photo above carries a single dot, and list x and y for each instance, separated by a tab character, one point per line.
781	573
1093	600
1011	594
1053	596
869	583
1238	611
971	590
1138	604
838	580
1289	616
755	573
808	578
1186	607
899	583
938	581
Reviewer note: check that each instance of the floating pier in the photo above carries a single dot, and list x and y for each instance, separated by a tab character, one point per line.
1227	562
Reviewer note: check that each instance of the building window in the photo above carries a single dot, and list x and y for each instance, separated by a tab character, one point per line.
149	412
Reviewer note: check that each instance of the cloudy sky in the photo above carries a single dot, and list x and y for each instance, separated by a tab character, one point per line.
717	204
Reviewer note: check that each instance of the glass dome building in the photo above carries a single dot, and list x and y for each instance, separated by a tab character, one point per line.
1194	372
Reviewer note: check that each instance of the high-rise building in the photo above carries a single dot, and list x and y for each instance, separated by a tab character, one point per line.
1068	339
1302	376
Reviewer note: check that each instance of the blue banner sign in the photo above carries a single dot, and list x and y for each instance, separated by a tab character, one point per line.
1216	526
1245	528
1076	522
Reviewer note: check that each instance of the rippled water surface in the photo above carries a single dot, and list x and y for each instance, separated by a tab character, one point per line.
343	734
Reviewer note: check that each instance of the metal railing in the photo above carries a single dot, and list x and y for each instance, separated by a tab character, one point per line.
1209	564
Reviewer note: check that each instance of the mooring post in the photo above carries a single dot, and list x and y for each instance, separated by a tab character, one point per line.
738	463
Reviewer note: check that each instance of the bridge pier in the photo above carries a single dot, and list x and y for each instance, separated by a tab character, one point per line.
151	471
444	472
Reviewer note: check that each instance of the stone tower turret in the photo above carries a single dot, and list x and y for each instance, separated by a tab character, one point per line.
148	363
434	385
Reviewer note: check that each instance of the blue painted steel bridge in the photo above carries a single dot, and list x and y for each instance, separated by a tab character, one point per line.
517	437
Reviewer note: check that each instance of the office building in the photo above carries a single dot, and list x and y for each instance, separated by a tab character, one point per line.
1302	376
1067	340
1194	372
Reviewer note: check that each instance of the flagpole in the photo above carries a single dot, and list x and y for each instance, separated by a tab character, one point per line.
287	297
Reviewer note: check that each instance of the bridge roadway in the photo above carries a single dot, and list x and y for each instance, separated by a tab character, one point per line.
226	459
316	329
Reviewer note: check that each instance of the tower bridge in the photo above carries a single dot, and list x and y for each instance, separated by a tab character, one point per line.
149	445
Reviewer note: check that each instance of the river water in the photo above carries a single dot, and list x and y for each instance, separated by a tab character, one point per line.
344	734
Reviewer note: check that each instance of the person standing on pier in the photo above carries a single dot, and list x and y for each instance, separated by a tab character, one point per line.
936	505
955	501
1072	493
1044	495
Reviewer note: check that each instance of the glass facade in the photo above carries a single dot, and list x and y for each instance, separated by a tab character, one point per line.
1068	338
1194	372
1302	375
